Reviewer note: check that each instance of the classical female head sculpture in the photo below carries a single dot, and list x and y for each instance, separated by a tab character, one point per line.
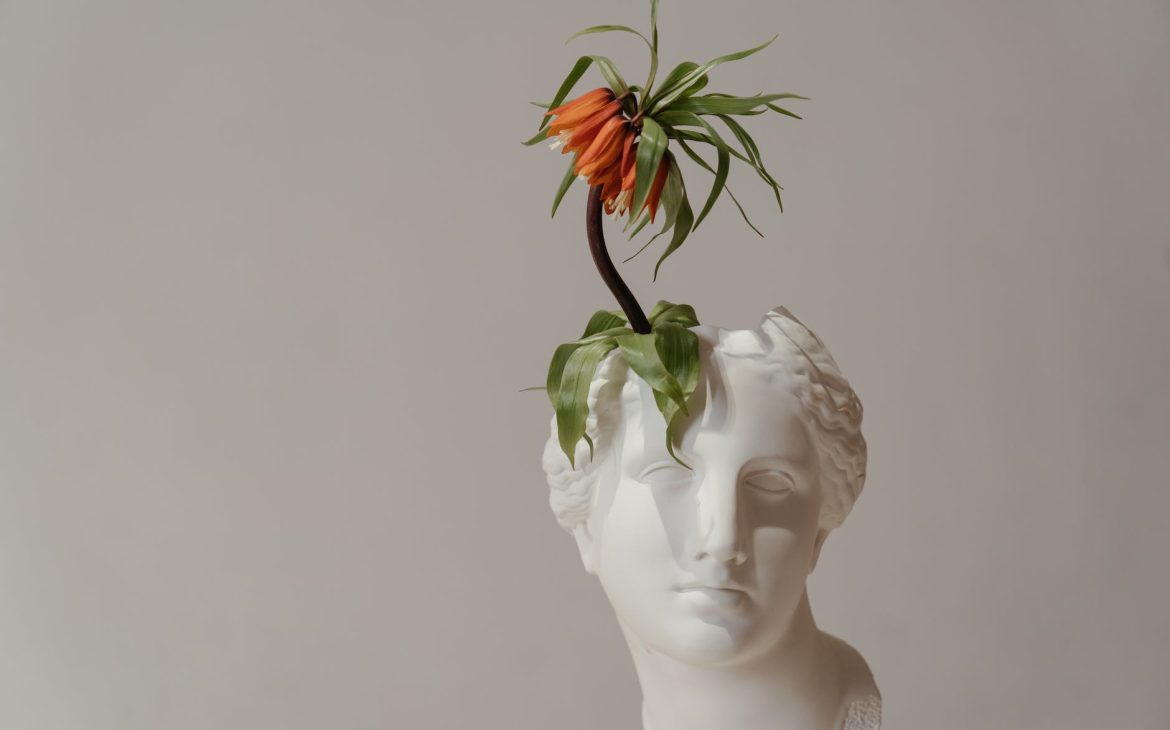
705	564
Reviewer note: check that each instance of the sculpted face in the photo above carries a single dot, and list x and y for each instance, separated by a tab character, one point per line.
709	566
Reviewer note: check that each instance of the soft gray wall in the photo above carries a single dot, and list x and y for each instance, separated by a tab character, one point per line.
271	275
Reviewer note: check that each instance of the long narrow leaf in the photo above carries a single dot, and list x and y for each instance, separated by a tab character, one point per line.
579	68
723	166
676	74
603	335
719	104
668	95
706	166
667	313
609	29
753	151
642	222
783	111
604	320
566	181
641	355
571	404
608	70
654	25
556	369
611	74
684	222
713	138
672	191
678	348
651	147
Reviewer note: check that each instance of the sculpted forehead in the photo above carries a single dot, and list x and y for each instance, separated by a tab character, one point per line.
743	407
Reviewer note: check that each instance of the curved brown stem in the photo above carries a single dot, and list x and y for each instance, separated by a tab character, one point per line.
605	267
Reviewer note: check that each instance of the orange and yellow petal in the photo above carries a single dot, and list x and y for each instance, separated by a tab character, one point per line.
581	136
656	189
605	149
598	93
576	111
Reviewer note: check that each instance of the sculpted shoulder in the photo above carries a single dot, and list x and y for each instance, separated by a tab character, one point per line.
861	702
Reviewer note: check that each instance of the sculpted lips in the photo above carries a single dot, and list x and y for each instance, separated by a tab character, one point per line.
719	597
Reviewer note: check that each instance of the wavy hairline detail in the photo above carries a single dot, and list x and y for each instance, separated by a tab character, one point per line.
781	340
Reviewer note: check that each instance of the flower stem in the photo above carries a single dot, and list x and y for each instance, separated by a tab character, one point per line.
605	267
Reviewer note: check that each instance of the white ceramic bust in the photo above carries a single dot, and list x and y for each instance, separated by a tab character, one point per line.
706	569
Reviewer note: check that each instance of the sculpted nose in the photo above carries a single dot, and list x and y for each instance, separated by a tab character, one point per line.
720	535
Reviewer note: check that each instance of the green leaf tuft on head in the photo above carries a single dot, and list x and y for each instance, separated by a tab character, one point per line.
667	359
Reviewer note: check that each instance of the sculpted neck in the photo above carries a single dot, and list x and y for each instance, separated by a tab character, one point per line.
792	687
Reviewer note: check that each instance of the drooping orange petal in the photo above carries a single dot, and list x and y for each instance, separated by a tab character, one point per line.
656	189
630	178
574	113
604	150
581	136
598	93
610	180
628	152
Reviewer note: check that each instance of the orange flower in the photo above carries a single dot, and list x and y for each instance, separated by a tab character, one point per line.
593	127
579	121
604	151
618	191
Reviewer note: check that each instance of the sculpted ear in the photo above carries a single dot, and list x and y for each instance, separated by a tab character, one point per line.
817	545
585	546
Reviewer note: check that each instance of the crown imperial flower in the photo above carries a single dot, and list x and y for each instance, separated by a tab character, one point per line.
593	127
619	137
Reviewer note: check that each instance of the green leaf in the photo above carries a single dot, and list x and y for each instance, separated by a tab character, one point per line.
684	218
610	29
713	138
572	407
654	25
668	95
682	135
608	70
671	194
651	147
566	181
678	348
643	221
666	313
641	354
603	335
538	137
676	74
579	68
723	166
722	104
604	320
556	369
775	108
703	163
753	151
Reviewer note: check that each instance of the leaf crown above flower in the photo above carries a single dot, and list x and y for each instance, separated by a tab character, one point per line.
624	145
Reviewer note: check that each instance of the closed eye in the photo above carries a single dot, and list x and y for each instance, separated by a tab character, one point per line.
770	481
665	473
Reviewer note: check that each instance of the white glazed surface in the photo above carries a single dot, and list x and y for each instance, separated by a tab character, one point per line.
706	567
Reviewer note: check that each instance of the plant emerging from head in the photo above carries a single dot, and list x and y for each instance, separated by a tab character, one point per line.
619	137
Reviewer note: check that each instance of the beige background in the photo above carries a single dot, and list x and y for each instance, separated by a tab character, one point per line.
271	275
